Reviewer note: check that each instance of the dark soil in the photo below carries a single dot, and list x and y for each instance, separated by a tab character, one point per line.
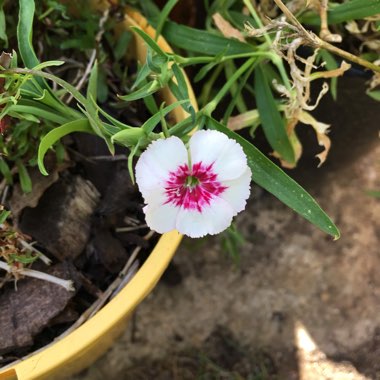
74	223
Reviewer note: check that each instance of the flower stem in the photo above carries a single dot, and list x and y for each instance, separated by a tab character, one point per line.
210	107
164	125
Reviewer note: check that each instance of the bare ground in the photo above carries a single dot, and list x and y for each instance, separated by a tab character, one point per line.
298	306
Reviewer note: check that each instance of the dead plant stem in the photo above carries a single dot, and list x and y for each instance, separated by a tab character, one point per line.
314	41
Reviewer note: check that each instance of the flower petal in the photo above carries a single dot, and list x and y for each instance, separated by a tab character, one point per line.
161	218
213	219
158	160
237	191
226	155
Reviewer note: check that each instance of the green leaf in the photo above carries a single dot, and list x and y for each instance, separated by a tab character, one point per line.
181	81
24	259
349	10
148	89
179	95
6	171
129	137
25	181
3	26
4	215
24	34
142	74
375	94
45	64
151	123
331	64
81	125
269	176
150	42
38	110
150	104
118	124
122	45
271	120
92	87
164	14
201	41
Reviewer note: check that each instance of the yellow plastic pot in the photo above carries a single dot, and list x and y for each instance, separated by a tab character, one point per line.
83	346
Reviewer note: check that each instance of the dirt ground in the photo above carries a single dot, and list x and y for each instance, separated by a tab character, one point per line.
298	306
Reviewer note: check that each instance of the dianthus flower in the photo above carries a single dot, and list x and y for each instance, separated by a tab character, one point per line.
195	190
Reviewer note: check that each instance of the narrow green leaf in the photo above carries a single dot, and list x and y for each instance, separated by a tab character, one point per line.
150	42
4	215
349	10
45	64
24	38
164	14
92	87
179	95
6	171
24	33
181	81
129	137
375	94
142	74
151	123
3	26
39	111
81	125
122	45
331	64
271	120
118	124
148	89
25	181
269	176
201	41
150	104
24	259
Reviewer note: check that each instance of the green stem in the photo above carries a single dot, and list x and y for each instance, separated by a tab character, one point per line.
210	107
255	16
277	61
164	125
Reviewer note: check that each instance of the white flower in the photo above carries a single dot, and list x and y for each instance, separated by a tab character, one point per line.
196	190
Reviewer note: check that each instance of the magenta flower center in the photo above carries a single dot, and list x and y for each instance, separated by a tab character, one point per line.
193	188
